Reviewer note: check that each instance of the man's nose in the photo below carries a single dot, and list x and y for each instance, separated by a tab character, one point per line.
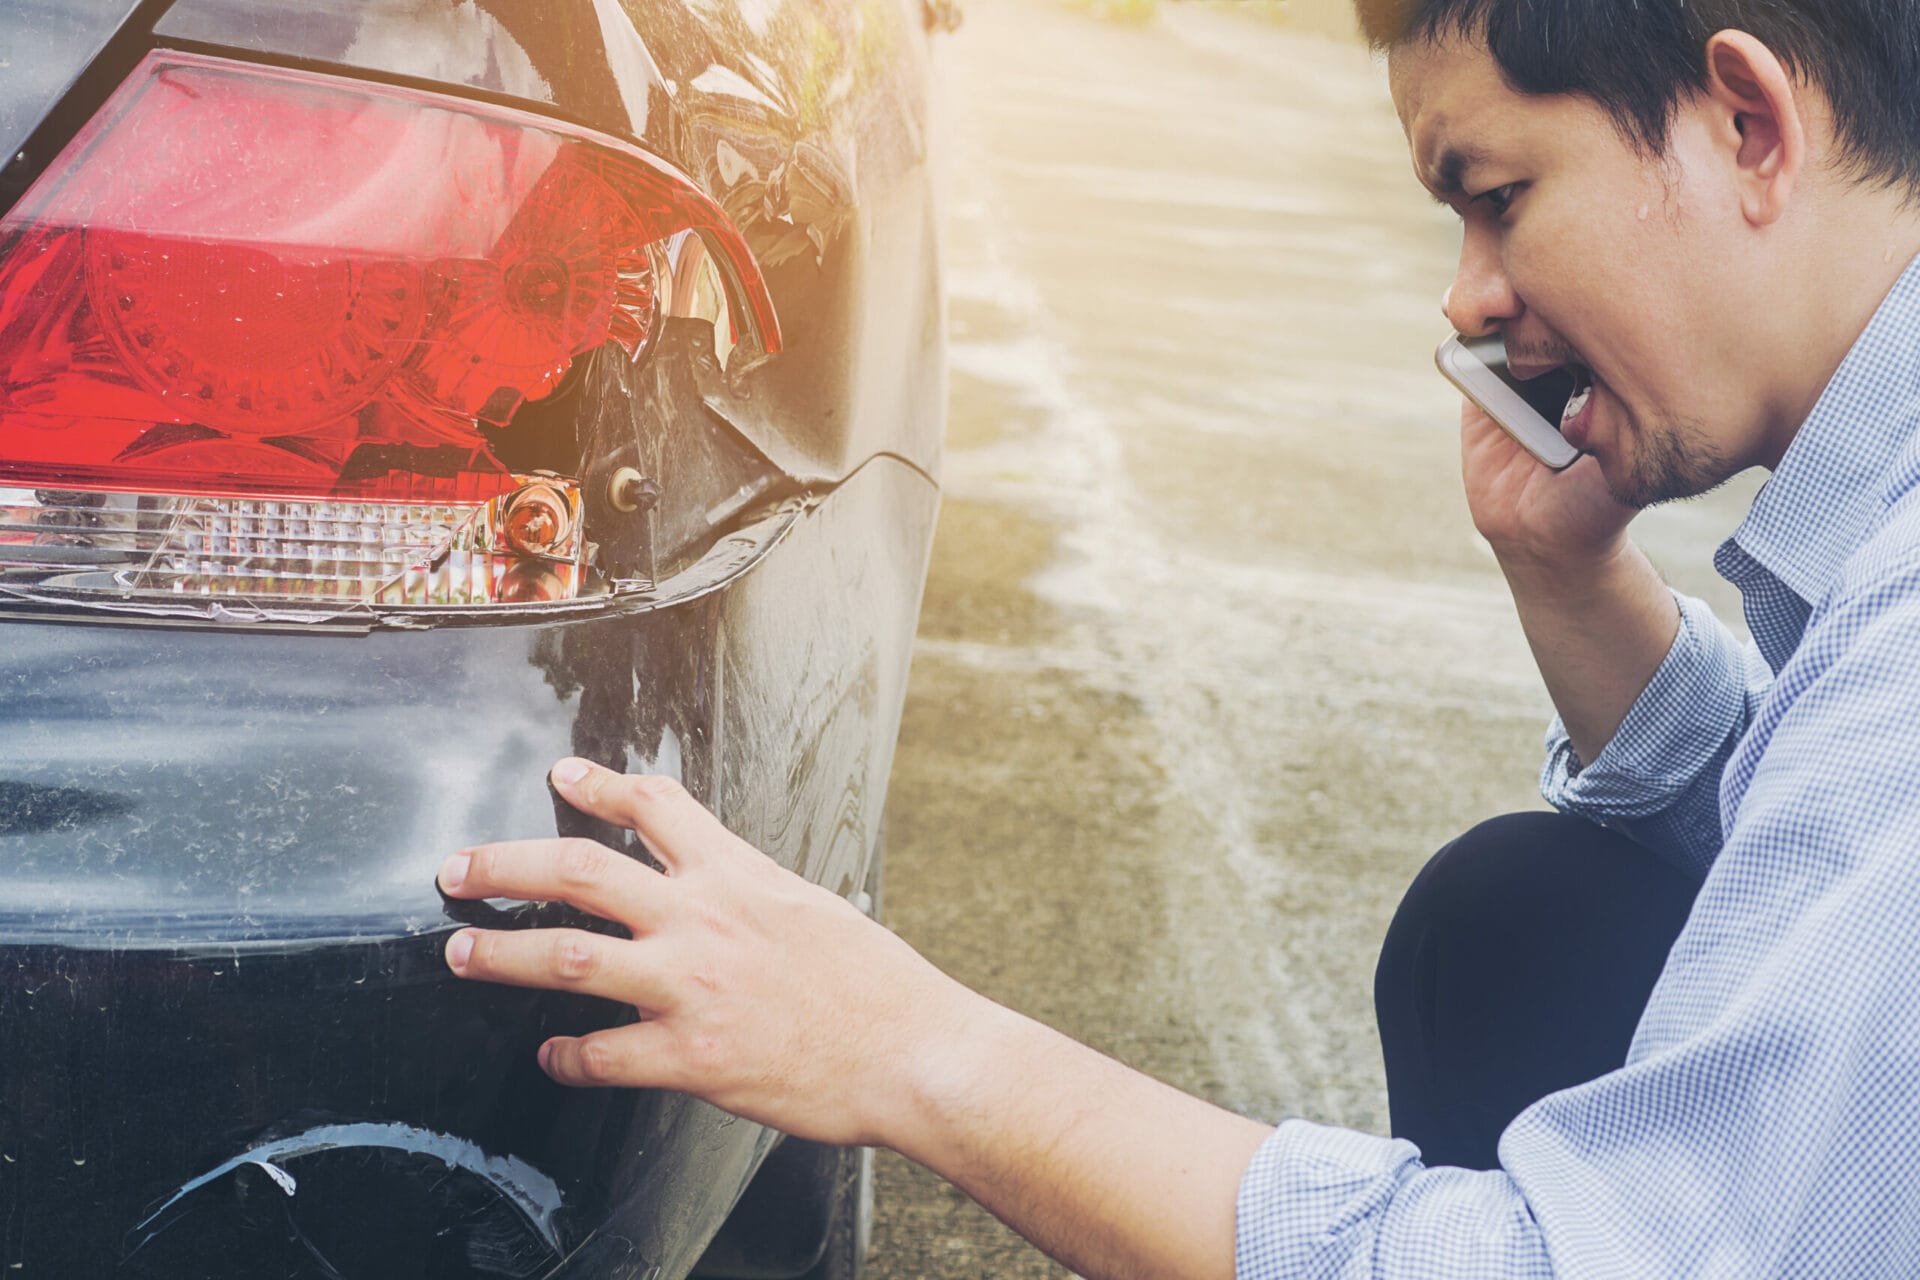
1481	297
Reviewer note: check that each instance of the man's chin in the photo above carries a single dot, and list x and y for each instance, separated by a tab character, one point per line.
1671	473
1634	491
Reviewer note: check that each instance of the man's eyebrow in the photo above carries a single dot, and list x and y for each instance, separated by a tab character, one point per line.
1446	181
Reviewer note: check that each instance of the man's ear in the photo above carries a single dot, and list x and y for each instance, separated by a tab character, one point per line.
1757	117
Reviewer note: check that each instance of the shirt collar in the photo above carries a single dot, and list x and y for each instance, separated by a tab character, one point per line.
1828	488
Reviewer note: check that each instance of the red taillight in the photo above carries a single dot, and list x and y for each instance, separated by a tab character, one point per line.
255	282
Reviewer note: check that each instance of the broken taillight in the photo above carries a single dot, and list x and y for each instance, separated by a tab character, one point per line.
267	303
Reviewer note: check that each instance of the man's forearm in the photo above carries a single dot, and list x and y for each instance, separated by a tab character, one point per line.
1598	634
1113	1173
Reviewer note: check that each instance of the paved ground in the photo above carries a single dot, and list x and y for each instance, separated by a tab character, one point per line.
1211	658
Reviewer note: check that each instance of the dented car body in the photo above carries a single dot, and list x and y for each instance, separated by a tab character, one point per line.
640	466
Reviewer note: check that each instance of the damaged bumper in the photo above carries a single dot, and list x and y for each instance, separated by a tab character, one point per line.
233	1047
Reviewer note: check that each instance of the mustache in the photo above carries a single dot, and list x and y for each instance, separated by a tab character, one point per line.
1554	353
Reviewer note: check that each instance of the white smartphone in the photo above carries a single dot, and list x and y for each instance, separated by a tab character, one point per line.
1529	411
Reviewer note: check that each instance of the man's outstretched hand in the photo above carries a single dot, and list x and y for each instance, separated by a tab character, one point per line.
773	998
757	990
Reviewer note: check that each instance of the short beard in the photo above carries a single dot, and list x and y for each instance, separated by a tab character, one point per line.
1676	461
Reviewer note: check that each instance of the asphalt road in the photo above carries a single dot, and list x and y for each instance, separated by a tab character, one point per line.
1211	659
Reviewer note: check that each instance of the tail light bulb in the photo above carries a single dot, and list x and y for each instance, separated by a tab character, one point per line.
537	519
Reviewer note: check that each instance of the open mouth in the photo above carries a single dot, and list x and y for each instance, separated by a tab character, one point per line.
1577	417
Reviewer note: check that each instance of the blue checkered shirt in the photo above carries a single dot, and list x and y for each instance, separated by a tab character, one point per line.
1767	1122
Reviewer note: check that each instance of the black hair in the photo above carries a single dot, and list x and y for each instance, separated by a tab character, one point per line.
1639	59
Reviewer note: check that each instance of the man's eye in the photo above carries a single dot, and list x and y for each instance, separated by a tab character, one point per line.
1500	199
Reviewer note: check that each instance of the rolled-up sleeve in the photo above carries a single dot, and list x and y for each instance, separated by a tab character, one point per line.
1658	780
1324	1202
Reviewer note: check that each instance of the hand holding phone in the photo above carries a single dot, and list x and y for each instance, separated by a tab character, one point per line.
1529	411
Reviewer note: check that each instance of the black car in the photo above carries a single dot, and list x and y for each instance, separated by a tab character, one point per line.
395	397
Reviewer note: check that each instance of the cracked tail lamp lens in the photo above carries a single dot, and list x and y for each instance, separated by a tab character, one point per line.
244	287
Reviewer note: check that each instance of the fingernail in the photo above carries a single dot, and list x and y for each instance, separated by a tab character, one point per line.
545	1054
453	872
570	771
459	947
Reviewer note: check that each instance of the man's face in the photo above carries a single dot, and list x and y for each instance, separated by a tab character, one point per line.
1583	251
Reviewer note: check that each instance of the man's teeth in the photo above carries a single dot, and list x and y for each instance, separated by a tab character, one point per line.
1582	392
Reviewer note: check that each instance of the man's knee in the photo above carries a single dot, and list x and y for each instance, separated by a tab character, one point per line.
1480	866
1483	879
1527	884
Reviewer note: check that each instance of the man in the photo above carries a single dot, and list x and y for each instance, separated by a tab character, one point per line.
1709	208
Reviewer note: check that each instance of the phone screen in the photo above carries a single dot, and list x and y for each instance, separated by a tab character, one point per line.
1547	394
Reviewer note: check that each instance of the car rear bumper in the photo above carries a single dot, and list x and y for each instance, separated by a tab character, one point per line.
232	1047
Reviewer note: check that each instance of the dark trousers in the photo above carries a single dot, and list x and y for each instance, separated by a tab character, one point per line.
1518	965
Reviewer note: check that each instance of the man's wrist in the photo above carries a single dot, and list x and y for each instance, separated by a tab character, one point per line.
958	1041
1575	584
